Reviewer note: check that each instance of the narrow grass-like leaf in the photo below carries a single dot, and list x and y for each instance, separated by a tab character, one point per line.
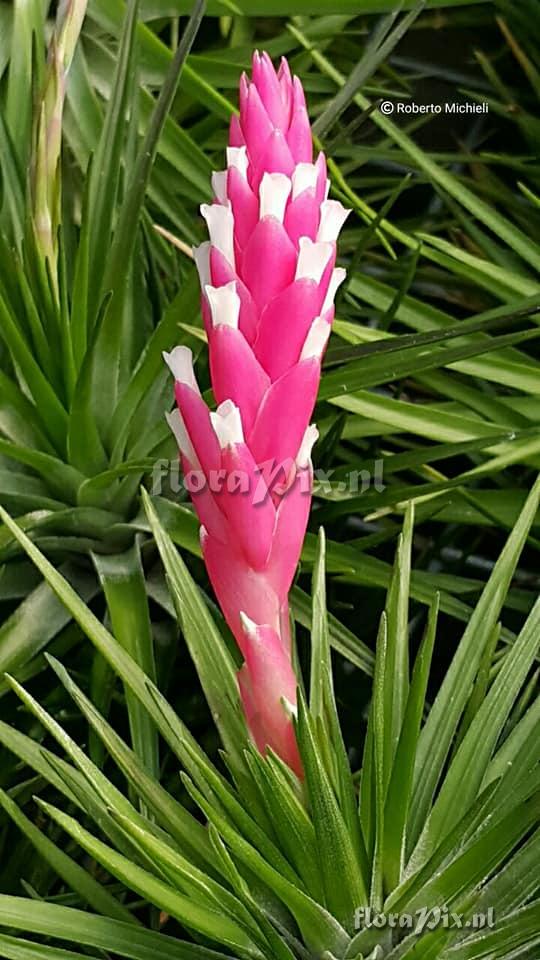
207	922
37	619
75	876
169	724
105	169
323	709
398	796
396	673
187	831
451	700
194	883
466	773
341	872
501	227
51	411
122	579
208	649
114	936
319	928
289	820
109	346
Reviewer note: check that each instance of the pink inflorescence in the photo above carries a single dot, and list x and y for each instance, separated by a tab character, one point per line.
268	280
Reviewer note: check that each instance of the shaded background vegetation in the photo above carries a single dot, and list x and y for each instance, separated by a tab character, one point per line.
421	258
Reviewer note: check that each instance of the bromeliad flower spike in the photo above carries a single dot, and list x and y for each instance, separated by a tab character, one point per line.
268	280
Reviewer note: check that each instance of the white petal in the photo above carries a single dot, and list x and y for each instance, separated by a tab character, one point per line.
316	339
248	625
237	157
178	427
304	178
201	255
219	185
337	278
227	423
333	216
220	221
290	709
312	259
180	363
224	304
303	457
273	195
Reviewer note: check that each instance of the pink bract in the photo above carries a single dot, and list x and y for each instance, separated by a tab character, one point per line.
268	281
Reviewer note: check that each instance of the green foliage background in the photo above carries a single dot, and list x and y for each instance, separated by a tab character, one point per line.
432	372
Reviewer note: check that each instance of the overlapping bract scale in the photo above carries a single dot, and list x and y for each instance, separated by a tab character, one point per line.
268	282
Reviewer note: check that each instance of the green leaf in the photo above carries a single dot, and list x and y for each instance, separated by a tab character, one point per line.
38	619
398	797
122	579
498	224
105	169
207	647
51	411
467	770
80	926
359	375
17	949
192	882
89	889
323	709
341	872
423	317
96	793
28	24
154	9
150	365
168	723
182	826
110	344
341	638
439	730
288	818
511	939
13	191
396	669
208	922
62	479
373	785
318	927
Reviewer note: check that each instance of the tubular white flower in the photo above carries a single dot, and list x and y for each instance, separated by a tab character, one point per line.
274	192
227	424
303	457
333	216
220	222
237	157
248	626
178	428
180	363
201	255
304	178
224	304
337	278
219	185
313	257
316	339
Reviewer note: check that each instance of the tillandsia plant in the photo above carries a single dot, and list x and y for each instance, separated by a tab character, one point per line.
268	280
412	832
